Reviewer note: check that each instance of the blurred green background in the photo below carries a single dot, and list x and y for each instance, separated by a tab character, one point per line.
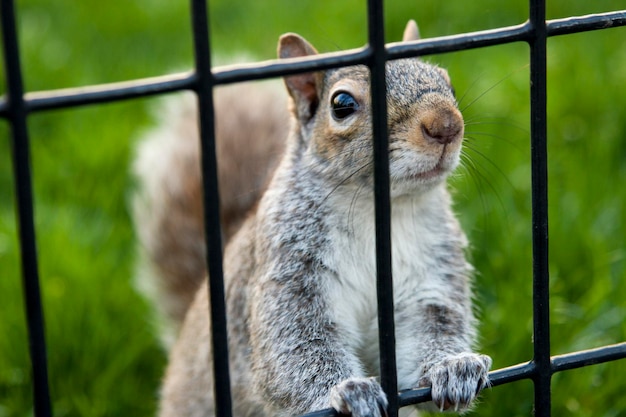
103	353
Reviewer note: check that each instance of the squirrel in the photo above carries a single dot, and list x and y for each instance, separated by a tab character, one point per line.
300	272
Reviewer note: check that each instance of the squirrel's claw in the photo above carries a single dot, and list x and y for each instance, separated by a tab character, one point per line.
360	397
456	380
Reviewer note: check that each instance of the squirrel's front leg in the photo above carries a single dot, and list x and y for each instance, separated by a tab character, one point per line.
299	362
454	373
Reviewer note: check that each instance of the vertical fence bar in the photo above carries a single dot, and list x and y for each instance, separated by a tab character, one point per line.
386	325
25	214
204	91
539	159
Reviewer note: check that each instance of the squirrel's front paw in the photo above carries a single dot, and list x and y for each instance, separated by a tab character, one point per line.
456	380
361	397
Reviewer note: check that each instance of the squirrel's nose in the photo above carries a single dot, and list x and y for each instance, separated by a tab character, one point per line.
443	126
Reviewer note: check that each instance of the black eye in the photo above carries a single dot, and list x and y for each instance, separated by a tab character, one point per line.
343	105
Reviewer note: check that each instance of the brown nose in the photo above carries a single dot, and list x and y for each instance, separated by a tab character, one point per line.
443	125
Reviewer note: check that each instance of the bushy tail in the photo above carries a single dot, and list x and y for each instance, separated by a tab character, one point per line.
251	127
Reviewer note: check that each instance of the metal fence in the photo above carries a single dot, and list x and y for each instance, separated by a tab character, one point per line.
16	107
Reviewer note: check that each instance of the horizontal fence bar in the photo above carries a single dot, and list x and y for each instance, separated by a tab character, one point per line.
104	93
517	372
586	23
452	43
509	34
527	370
277	68
588	357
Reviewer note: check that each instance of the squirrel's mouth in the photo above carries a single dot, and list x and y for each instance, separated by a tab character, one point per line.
419	181
439	171
434	173
413	170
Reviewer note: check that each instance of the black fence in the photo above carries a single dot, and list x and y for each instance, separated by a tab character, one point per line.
16	106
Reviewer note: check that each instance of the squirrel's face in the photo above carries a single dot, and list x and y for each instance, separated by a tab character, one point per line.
425	127
333	110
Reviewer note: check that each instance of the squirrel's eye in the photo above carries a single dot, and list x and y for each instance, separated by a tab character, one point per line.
343	105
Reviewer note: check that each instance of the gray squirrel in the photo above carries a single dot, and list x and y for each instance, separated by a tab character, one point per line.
300	271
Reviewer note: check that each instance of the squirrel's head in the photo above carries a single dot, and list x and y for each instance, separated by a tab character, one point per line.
333	113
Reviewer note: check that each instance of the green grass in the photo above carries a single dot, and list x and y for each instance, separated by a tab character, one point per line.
103	354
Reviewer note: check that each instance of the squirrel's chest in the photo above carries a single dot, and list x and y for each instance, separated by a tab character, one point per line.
352	288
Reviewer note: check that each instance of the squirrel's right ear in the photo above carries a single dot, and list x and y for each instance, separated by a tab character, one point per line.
411	32
302	87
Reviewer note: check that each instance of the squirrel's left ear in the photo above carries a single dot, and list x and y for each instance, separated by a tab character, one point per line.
302	87
411	32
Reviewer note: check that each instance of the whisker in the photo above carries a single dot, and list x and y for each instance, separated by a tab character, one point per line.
494	86
472	172
495	121
492	135
485	178
491	163
352	208
469	88
346	179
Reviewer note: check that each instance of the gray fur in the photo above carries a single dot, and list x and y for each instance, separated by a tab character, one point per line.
300	272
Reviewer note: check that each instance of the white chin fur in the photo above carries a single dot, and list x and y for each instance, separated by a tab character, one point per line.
421	177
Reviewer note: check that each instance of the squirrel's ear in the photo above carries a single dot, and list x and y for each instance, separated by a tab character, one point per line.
292	45
302	87
411	32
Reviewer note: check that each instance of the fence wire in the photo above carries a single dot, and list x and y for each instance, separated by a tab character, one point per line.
17	105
